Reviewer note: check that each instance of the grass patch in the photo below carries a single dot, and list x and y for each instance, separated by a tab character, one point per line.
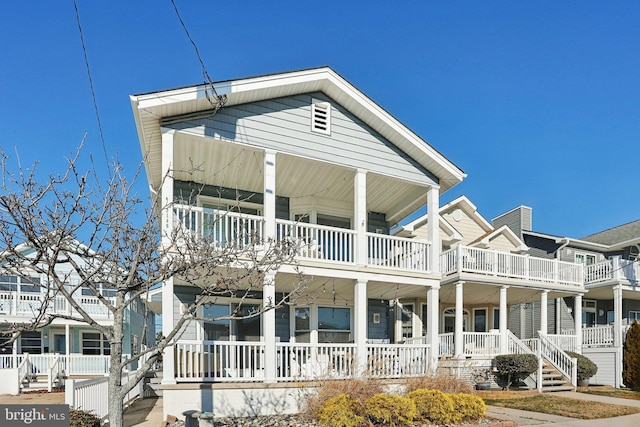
544	403
611	392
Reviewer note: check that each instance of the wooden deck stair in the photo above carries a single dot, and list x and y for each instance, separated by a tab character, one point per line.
552	380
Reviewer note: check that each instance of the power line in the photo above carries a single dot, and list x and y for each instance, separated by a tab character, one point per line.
93	93
216	101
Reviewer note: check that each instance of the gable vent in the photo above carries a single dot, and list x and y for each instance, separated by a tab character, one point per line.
321	117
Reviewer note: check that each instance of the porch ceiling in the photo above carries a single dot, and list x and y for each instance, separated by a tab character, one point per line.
220	163
482	293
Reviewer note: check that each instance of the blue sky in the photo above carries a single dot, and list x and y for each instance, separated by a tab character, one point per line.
538	102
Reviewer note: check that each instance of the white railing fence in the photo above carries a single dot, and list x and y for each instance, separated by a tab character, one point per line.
503	264
597	336
564	341
517	346
303	361
92	395
53	373
398	252
24	369
397	360
318	241
446	345
480	343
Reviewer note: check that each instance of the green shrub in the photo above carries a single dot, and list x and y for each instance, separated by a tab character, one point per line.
515	367
340	411
467	406
433	405
391	409
586	367
78	418
631	358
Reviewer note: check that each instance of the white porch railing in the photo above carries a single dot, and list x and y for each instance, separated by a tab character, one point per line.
237	361
311	241
53	373
564	341
397	360
480	343
28	304
517	346
398	252
616	268
24	369
597	336
445	346
465	259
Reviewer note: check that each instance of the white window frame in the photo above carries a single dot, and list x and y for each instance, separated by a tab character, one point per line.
496	316
486	318
585	258
636	316
102	342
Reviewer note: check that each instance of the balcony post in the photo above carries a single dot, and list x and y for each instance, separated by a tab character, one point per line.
577	321
360	216
459	323
360	325
615	267
504	347
617	332
166	189
269	197
543	312
168	355
433	228
433	314
269	327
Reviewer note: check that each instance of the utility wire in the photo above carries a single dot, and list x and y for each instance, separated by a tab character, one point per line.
217	101
93	93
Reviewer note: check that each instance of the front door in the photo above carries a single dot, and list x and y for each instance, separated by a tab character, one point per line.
59	344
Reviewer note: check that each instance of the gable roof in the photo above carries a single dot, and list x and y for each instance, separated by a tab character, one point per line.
485	240
619	236
150	109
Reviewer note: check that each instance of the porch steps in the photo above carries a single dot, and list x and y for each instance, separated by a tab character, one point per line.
152	382
553	381
39	383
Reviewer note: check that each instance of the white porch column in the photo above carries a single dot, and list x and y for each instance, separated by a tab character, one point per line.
504	344
168	355
14	349
360	324
543	311
433	227
269	195
433	314
459	325
617	332
269	327
166	189
67	344
360	215
577	321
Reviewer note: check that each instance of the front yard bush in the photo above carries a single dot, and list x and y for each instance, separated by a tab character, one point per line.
515	367
468	407
444	383
586	367
358	390
391	409
433	405
340	411
78	418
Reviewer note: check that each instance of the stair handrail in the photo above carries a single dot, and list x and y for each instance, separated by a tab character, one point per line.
53	372
530	346
565	364
24	368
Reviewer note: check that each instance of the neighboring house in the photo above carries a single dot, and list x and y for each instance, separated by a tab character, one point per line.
488	275
80	349
305	154
612	299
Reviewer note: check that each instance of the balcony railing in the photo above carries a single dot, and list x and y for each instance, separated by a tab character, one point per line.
28	304
71	364
465	259
238	361
616	268
310	241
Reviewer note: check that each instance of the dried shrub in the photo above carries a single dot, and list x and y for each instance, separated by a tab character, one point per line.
391	409
340	411
433	405
444	383
78	418
358	390
467	406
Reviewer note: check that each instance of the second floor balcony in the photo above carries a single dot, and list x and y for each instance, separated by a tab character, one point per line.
614	269
489	263
29	304
312	242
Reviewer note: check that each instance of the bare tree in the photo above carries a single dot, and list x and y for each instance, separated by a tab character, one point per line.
110	238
